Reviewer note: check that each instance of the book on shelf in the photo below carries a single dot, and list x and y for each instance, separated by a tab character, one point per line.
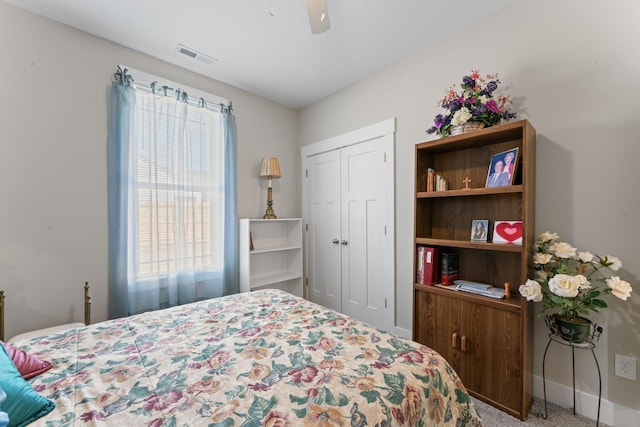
479	289
420	265
427	266
441	183
430	179
472	285
435	181
449	268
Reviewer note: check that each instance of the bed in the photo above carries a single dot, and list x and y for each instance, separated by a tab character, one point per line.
264	358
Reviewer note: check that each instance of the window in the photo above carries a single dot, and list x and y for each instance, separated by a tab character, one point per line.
178	189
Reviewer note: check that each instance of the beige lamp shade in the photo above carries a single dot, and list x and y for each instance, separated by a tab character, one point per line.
270	168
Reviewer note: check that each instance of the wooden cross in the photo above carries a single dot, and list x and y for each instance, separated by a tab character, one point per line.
466	181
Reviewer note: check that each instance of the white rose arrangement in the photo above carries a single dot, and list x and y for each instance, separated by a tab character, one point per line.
565	278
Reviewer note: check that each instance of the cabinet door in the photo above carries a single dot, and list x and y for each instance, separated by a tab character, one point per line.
490	363
436	322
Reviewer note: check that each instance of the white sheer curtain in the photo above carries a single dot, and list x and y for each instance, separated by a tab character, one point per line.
176	204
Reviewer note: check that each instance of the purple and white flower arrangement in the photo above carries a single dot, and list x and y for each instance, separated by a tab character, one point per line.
475	102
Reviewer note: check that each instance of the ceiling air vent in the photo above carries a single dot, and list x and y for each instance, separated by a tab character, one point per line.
192	53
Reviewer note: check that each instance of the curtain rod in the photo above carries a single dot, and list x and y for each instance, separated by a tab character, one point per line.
122	76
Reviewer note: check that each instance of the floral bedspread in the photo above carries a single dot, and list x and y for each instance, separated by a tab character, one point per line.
263	358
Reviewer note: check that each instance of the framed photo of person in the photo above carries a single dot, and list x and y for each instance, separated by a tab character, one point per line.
479	230
502	168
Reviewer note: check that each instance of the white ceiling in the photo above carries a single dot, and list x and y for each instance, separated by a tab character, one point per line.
266	46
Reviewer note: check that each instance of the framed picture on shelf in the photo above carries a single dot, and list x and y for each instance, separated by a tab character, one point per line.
479	230
507	232
502	168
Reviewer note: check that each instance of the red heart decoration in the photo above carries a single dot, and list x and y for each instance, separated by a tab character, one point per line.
509	231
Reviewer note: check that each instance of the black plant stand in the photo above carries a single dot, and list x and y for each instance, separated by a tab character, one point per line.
589	344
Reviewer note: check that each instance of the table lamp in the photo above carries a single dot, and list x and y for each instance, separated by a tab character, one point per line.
270	169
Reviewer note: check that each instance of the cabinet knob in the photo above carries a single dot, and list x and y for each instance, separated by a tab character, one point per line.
344	243
463	343
454	340
335	241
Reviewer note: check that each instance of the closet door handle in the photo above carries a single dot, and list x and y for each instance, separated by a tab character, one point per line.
454	340
335	241
344	243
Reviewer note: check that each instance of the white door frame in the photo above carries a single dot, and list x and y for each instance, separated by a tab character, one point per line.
386	130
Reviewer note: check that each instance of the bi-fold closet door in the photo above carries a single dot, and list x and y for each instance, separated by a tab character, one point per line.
348	215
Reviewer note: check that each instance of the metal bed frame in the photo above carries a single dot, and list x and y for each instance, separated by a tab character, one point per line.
87	309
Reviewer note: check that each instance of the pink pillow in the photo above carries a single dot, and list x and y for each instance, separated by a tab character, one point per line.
28	366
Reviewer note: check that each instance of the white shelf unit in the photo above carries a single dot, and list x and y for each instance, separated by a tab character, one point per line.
275	261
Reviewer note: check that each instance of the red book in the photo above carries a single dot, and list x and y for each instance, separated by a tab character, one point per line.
431	266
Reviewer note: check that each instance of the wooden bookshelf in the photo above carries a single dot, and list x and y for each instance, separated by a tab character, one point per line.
488	341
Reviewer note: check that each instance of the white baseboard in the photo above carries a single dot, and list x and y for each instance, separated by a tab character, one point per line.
401	332
587	404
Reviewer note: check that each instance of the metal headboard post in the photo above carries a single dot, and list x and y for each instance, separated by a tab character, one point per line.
87	304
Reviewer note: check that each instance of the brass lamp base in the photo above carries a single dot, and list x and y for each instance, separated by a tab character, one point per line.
269	214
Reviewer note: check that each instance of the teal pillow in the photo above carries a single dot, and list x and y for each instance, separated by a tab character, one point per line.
4	418
23	404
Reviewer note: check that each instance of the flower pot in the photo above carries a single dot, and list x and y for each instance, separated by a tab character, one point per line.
466	127
574	331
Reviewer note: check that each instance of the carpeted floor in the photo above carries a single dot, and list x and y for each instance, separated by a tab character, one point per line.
557	416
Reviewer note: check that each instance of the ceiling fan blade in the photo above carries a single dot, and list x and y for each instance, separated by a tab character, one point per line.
318	15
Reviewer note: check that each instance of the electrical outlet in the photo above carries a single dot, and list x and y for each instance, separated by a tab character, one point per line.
625	367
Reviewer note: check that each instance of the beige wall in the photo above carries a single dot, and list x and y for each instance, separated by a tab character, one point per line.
53	176
572	68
